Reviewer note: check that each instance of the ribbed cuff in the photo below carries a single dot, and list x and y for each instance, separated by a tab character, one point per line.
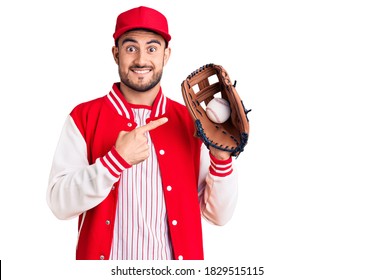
114	162
220	168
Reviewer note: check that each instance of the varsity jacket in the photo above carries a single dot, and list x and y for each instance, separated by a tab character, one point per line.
86	168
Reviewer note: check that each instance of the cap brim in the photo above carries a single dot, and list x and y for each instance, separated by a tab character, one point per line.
121	31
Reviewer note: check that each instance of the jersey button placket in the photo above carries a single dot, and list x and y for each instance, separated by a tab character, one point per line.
175	223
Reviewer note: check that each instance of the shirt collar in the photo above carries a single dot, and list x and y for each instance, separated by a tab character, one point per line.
123	107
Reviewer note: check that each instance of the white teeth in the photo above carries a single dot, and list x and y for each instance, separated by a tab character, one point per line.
141	71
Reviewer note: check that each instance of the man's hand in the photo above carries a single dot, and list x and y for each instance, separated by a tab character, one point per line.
219	154
133	146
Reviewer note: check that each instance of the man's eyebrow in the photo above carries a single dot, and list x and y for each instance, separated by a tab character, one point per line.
129	40
153	41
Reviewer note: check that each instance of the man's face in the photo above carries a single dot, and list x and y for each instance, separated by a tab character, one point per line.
141	56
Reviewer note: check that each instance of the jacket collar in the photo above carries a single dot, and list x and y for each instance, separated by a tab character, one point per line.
123	107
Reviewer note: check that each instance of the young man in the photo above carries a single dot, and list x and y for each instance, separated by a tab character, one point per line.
127	164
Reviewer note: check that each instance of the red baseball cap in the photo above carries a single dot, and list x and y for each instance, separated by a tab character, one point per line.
142	17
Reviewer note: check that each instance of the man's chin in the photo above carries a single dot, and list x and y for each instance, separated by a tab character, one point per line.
140	84
140	87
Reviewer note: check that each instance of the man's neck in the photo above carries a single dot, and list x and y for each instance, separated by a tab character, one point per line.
140	98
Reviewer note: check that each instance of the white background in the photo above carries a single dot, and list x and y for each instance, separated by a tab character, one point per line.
306	70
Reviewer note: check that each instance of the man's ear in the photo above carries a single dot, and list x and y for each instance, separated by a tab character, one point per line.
167	54
115	52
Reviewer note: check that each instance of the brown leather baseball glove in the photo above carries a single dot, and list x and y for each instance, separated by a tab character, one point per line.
204	84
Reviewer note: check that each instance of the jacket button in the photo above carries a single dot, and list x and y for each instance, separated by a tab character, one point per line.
129	124
180	257
168	188
101	257
162	152
107	222
174	222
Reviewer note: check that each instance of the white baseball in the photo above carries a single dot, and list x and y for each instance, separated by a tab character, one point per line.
218	110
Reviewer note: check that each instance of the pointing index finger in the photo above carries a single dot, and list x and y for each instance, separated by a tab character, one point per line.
152	125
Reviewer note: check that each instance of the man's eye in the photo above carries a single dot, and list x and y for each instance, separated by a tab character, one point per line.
152	49
131	49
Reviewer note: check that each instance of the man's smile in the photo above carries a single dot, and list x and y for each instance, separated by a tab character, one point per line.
141	71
